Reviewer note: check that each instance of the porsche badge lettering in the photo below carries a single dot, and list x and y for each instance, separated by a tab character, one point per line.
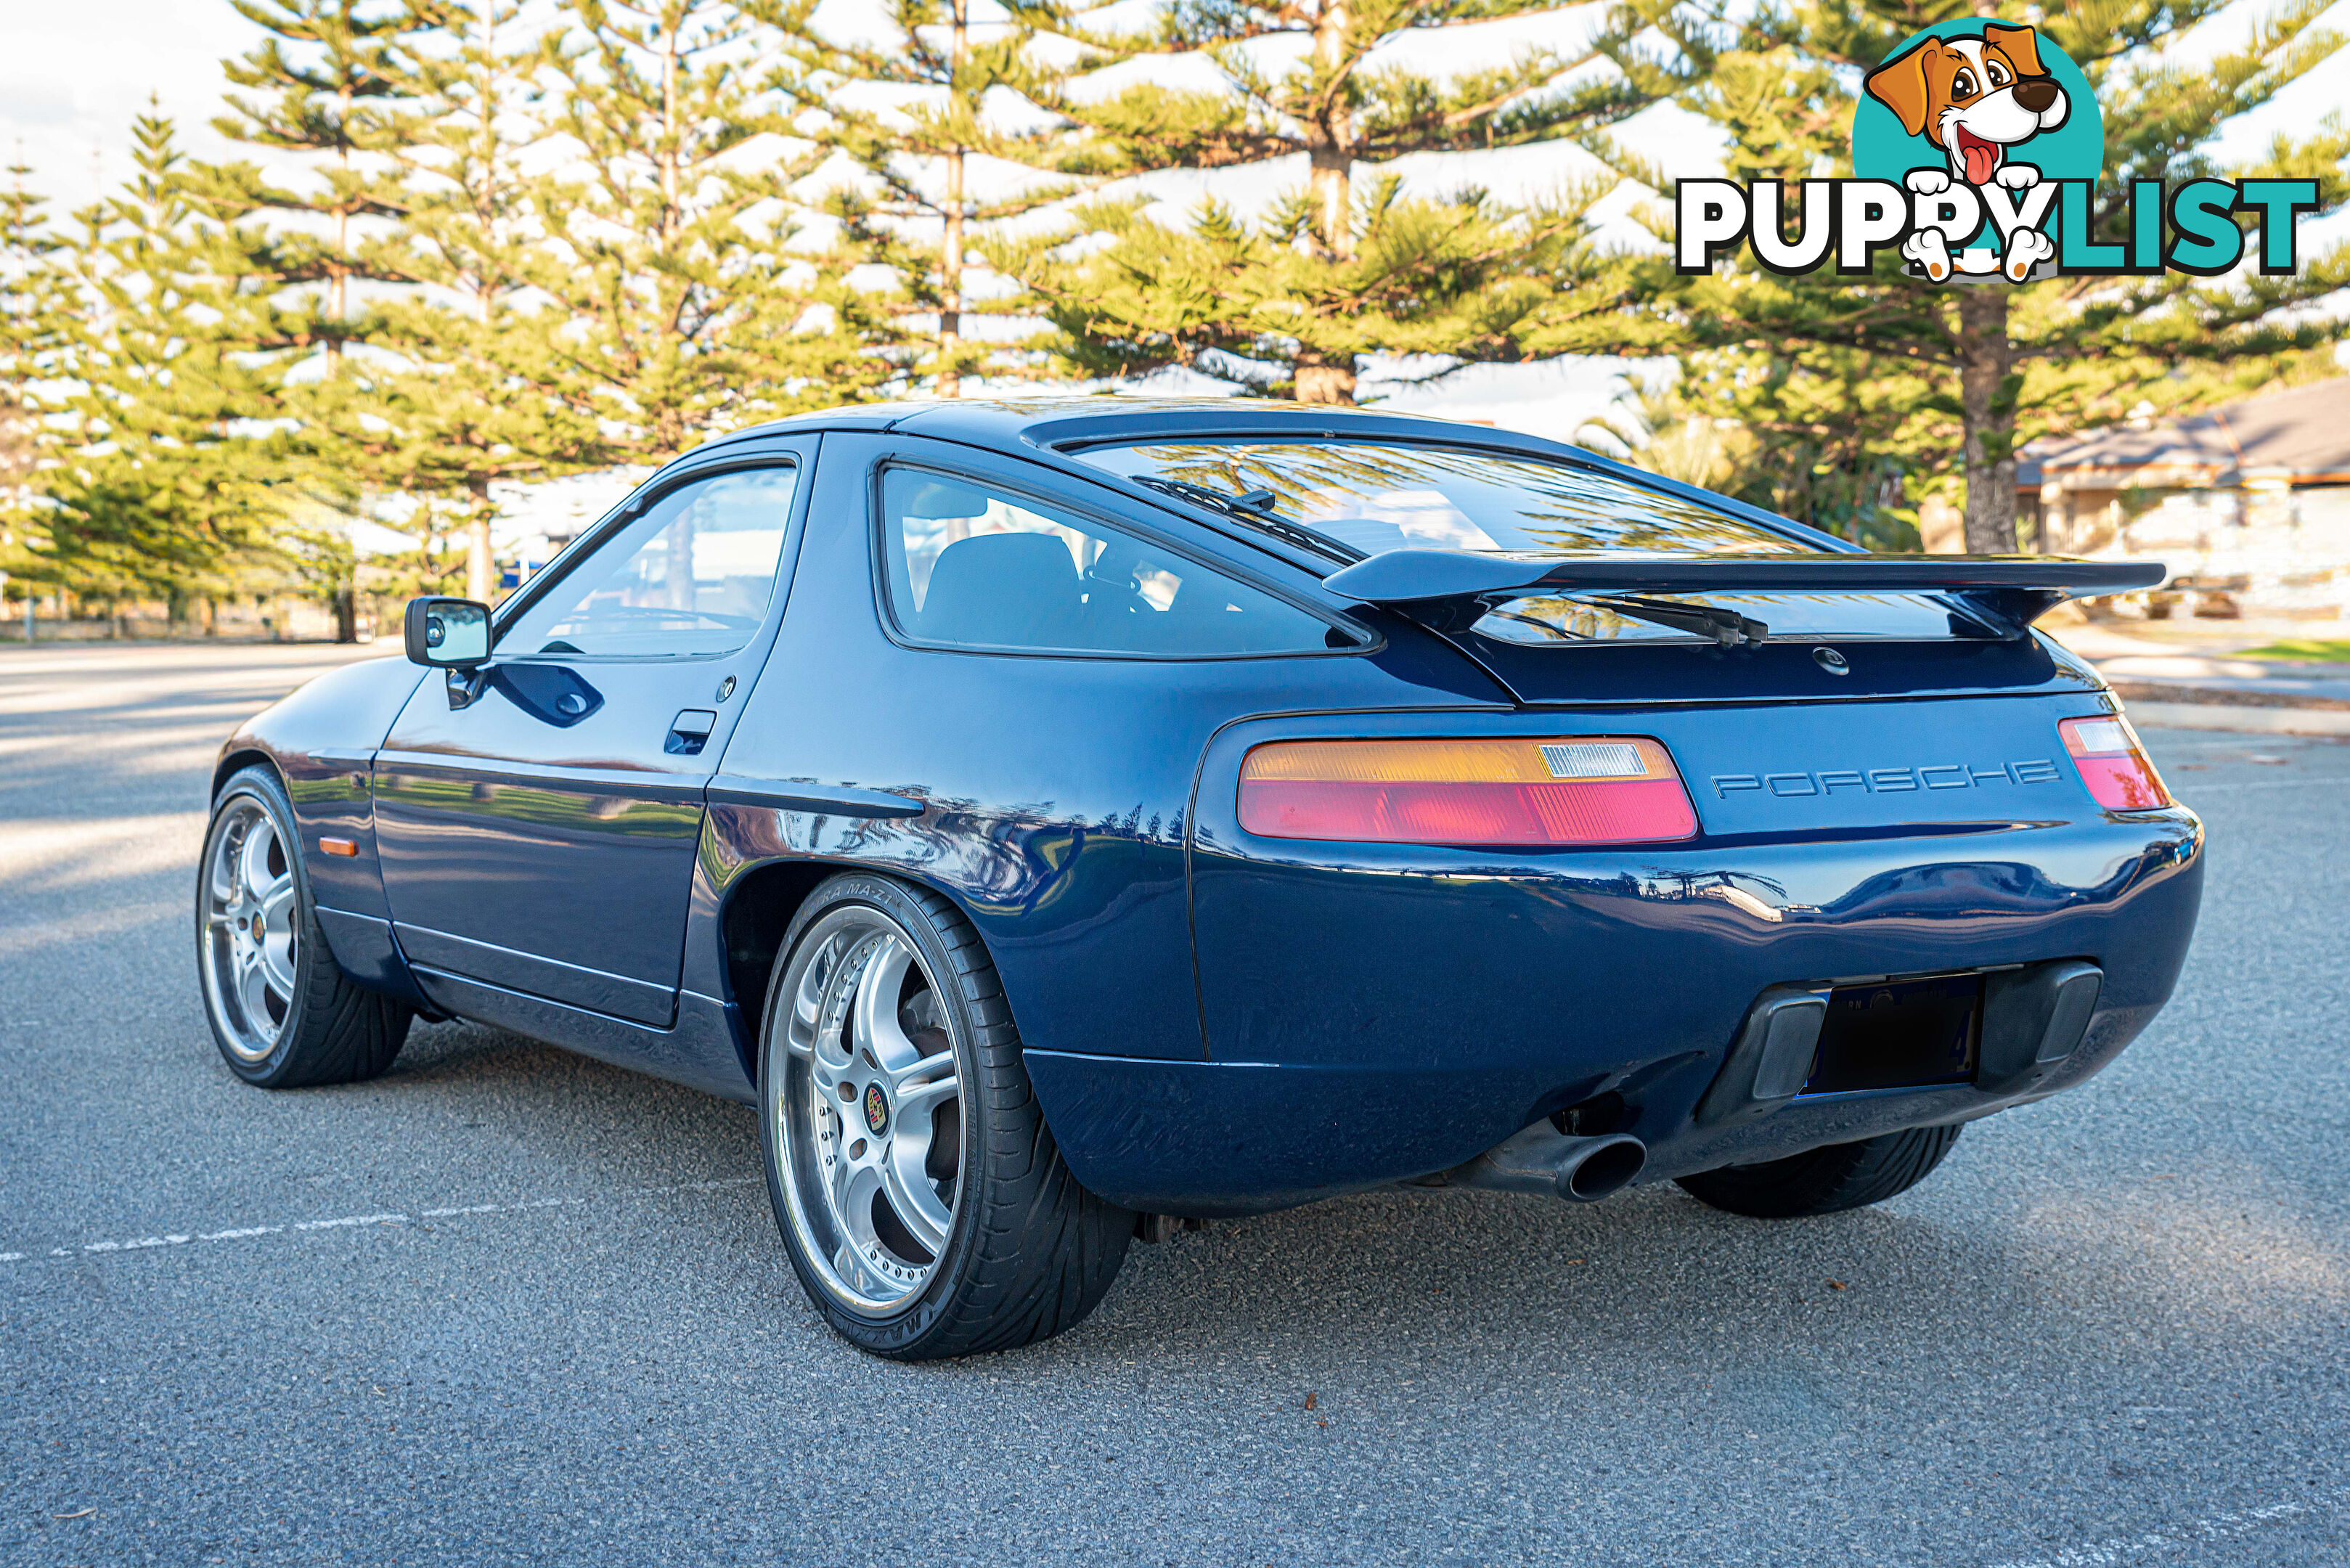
1887	780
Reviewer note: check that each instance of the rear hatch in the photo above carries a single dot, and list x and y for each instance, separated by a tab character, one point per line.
1799	682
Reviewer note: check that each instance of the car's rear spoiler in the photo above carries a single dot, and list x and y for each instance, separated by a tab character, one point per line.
1449	589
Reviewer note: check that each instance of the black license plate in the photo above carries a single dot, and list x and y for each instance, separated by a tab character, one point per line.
1903	1035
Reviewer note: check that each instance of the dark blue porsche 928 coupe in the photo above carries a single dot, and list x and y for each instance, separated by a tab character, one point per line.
1061	819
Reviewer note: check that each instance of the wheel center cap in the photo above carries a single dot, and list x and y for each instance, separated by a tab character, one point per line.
877	1110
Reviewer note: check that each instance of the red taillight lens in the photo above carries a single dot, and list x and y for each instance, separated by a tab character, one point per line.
1574	789
2112	765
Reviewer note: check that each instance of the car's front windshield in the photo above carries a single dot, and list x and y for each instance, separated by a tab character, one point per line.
1376	496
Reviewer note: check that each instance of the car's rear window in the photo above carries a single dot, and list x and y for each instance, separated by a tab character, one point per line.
1376	496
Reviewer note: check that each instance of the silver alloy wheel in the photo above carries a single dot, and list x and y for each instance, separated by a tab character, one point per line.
250	950
869	1126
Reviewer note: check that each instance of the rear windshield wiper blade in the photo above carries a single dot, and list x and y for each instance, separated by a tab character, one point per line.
1726	626
1254	507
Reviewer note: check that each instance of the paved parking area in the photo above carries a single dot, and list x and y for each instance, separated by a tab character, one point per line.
510	1305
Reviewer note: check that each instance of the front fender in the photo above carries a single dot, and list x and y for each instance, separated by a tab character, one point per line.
320	740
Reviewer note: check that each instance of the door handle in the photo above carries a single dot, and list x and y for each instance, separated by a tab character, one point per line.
690	731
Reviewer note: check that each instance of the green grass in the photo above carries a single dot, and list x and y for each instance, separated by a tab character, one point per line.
2323	652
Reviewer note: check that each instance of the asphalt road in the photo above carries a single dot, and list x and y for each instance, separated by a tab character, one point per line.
510	1305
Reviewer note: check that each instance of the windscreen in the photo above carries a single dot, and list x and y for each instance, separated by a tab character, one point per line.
1376	496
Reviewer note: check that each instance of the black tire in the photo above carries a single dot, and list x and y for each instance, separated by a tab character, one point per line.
1823	1180
1027	1252
331	1030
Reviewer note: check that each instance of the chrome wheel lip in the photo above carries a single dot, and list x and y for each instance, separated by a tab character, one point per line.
854	1105
247	931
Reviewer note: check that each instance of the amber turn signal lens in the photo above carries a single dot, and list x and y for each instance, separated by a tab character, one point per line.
2113	764
1529	794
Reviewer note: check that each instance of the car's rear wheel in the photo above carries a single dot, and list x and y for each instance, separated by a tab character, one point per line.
282	1012
925	1204
1823	1180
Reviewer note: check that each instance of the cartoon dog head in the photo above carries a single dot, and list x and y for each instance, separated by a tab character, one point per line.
1974	98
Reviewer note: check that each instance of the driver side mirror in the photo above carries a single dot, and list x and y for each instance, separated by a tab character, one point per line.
448	634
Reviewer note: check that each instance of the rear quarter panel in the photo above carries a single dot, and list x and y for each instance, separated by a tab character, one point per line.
1055	791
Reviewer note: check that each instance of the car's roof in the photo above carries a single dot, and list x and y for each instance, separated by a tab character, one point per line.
1059	421
1053	425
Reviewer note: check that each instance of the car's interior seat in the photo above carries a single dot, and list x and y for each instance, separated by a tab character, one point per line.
1004	591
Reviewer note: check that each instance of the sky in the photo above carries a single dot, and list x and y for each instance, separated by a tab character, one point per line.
72	78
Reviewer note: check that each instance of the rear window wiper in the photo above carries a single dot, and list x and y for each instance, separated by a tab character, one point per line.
1725	627
1254	507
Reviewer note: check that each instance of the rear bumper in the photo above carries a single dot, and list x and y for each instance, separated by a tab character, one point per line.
1417	1007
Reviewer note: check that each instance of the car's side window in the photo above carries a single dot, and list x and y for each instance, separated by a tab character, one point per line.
693	576
971	566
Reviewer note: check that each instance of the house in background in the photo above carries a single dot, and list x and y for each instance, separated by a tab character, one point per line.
2248	505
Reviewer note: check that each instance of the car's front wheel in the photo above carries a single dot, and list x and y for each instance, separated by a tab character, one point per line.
282	1012
1825	1180
925	1204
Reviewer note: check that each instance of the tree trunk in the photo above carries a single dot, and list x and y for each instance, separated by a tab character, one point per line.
337	297
1330	138
1987	394
480	571
1329	183
949	381
1324	380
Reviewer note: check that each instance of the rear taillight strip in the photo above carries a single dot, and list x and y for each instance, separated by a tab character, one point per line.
1529	794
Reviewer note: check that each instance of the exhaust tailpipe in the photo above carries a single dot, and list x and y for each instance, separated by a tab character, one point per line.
1600	1166
1546	1162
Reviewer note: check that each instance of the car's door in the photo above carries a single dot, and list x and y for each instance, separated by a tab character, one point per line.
538	822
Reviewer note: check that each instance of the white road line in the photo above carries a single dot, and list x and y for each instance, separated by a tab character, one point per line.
2123	1549
361	1222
